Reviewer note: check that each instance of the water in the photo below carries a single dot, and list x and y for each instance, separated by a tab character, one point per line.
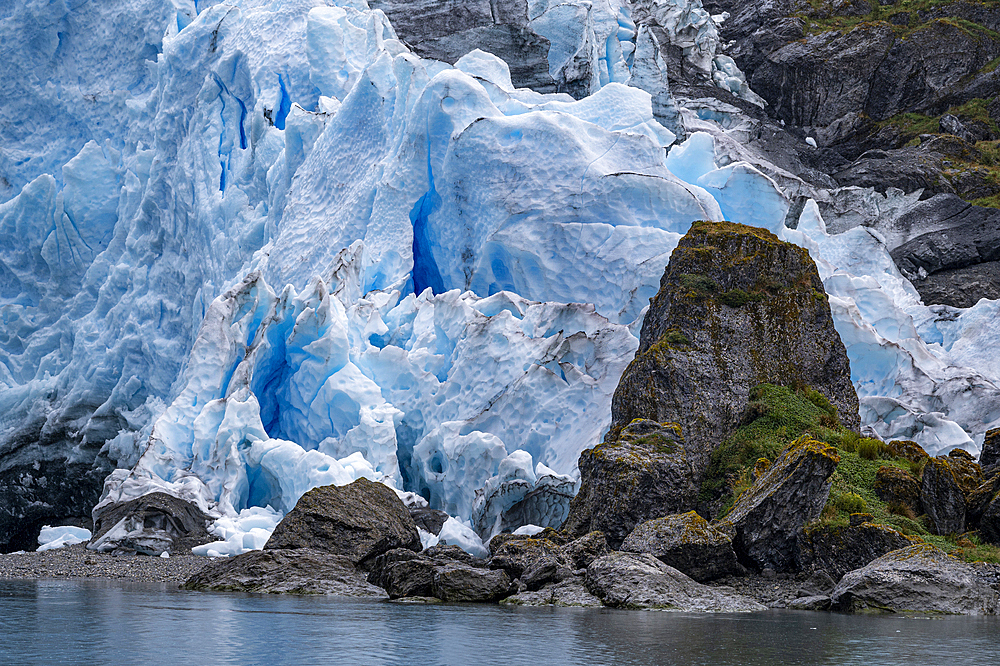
86	622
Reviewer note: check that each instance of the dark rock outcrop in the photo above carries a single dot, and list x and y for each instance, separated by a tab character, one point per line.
898	488
736	308
150	525
958	262
534	561
919	578
641	474
288	571
445	574
448	29
942	498
989	457
767	520
360	521
634	580
581	552
837	550
687	543
429	520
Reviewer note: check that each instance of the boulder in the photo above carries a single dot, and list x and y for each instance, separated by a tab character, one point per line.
581	552
768	518
898	488
642	473
687	543
908	449
447	573
361	520
534	561
978	501
837	550
737	307
288	571
989	457
639	580
150	525
455	581
427	519
968	473
942	498
570	592
919	578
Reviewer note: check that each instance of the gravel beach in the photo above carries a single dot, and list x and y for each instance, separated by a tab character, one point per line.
77	562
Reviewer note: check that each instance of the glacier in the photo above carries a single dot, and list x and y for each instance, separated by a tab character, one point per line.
256	247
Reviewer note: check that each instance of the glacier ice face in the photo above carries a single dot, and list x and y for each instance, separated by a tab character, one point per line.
302	255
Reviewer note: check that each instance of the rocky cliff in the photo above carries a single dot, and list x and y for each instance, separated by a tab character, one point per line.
736	308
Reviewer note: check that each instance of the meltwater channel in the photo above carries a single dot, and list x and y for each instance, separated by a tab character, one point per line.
90	622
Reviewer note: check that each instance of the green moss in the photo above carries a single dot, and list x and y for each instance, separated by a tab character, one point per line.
849	503
775	416
737	298
675	337
698	283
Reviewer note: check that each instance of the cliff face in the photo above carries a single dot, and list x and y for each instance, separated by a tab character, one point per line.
736	308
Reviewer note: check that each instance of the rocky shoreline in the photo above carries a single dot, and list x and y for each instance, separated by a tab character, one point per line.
76	562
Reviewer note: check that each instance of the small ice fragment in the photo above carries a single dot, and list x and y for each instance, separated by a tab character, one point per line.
811	141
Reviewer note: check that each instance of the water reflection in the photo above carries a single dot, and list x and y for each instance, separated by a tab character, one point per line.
91	622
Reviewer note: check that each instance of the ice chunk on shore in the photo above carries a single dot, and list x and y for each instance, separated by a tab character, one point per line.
57	537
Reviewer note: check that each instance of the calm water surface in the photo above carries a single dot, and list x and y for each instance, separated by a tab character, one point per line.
85	622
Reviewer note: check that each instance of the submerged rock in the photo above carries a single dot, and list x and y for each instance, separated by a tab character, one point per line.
361	520
152	524
767	520
288	571
642	473
688	543
639	581
922	579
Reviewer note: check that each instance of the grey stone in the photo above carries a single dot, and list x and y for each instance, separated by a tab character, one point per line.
287	571
919	578
150	525
814	603
460	582
361	520
989	457
768	518
643	473
837	550
942	497
699	357
581	552
570	592
688	543
518	556
429	520
634	580
895	486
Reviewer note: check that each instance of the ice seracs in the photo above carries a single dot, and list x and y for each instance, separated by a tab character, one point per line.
295	254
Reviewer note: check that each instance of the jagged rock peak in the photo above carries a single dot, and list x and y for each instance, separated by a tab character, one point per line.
737	307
